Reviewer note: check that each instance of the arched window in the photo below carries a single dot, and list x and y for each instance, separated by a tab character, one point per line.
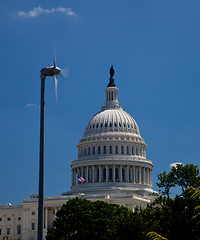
89	151
136	151
19	229
116	174
0	231
127	149
85	151
132	151
99	150
110	149
122	150
93	150
104	174
104	149
32	226
116	149
110	173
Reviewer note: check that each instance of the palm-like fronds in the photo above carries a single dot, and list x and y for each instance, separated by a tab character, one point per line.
195	193
155	236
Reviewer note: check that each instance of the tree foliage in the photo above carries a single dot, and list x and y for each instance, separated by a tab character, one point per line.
182	176
83	219
155	236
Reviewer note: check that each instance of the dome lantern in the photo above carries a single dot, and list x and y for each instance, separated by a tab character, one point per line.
111	93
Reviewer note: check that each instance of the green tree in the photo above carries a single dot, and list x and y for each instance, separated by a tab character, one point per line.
83	219
195	194
182	176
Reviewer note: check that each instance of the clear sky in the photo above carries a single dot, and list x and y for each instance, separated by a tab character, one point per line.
154	46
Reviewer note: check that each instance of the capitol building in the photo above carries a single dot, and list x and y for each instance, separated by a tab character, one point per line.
111	161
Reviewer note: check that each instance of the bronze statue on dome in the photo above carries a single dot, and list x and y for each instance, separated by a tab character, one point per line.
111	80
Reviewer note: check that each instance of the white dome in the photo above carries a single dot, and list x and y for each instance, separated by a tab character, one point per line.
112	154
111	120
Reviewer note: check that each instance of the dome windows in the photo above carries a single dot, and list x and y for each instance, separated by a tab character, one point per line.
99	150
104	149
116	149
122	149
110	151
136	150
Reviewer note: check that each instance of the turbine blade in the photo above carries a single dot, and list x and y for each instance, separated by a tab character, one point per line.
56	85
65	72
54	54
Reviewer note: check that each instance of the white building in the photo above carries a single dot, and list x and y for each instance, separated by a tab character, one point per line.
111	159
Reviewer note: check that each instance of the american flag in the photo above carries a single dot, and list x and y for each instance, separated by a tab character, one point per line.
81	179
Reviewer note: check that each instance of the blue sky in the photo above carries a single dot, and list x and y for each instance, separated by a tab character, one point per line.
154	46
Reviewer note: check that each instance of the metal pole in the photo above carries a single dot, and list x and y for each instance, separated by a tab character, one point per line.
41	164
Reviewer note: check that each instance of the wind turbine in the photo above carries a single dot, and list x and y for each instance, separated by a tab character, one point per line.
48	71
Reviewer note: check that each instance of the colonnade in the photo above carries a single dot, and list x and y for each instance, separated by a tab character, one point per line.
112	173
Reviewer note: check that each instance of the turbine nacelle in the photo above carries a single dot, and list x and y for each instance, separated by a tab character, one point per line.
50	71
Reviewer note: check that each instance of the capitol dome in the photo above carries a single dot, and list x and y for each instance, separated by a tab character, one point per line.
111	120
112	153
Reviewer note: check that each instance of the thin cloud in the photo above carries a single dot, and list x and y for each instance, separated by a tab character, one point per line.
39	11
175	164
31	105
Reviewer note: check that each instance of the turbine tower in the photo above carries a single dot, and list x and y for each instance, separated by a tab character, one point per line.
45	72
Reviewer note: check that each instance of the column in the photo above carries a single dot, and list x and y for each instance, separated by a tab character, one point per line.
140	175
150	177
86	175
78	174
106	173
81	171
113	173
120	173
131	176
127	174
134	177
93	174
99	173
144	171
72	176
